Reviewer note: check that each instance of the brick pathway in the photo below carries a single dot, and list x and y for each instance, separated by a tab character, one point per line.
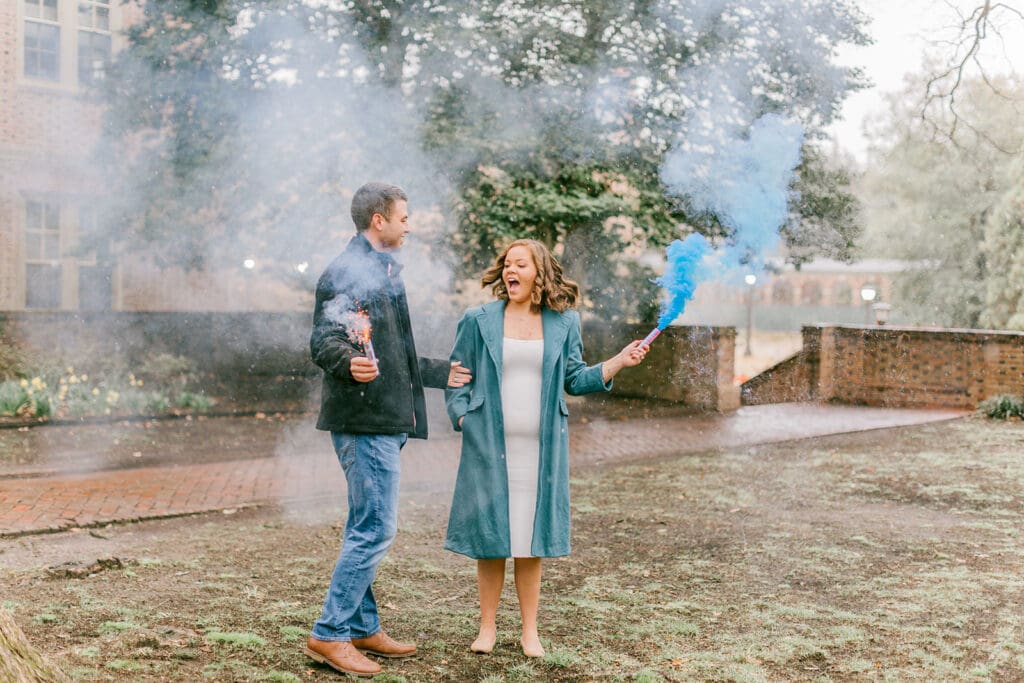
53	503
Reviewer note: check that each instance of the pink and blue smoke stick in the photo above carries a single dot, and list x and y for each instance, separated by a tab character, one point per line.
651	337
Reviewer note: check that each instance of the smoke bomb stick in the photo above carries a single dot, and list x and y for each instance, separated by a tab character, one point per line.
370	354
650	337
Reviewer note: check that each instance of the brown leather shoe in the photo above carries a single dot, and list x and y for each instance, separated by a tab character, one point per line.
383	645
341	656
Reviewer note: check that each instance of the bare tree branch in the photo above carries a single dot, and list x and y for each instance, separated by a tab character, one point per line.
943	89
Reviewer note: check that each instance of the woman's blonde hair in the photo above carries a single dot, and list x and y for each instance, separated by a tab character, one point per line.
550	289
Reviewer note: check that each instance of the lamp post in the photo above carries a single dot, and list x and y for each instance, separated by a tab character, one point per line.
867	294
751	280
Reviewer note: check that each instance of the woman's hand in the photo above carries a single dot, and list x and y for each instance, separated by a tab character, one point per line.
630	356
458	376
634	353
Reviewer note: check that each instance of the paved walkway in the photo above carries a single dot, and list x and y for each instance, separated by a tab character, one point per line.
62	501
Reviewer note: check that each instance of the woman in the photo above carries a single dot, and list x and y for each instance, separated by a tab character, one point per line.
512	488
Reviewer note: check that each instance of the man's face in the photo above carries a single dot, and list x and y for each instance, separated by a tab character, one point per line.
392	231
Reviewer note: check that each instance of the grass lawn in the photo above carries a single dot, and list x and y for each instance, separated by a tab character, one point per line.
886	555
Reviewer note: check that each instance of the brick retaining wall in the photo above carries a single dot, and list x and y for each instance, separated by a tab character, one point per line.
250	343
692	366
688	365
896	367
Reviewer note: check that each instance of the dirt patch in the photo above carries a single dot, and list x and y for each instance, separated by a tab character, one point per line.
892	555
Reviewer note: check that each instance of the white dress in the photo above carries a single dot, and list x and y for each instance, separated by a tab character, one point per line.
521	376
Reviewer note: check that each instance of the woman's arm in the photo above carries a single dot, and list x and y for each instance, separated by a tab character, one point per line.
630	356
581	378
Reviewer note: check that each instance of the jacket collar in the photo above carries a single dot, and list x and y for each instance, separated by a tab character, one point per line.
492	329
360	245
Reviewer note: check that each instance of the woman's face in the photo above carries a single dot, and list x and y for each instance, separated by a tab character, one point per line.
519	274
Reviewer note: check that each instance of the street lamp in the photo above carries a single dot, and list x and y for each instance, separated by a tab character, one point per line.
881	312
751	280
868	293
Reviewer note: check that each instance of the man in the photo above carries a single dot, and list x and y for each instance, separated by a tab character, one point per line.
371	408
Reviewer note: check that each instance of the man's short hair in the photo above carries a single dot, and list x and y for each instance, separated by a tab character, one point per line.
374	198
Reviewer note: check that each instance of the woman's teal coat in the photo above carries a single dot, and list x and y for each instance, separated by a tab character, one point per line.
478	524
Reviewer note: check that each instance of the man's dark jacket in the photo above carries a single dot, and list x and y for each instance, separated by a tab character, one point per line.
364	279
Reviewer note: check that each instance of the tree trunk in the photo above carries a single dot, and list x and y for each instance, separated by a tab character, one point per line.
19	661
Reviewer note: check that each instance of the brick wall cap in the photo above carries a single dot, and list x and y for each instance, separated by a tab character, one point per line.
924	331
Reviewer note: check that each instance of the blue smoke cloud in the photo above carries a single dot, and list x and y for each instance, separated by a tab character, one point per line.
744	181
684	272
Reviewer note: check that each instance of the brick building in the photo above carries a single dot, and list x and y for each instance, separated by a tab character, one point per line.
822	290
51	53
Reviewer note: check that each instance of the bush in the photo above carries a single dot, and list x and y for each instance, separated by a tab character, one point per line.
157	403
188	400
11	359
12	397
1002	407
64	391
167	368
25	399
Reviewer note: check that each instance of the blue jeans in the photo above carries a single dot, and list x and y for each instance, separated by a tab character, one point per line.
371	465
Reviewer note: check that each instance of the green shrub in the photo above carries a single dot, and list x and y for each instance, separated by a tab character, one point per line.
1002	407
167	368
11	359
42	405
12	397
24	398
157	403
189	400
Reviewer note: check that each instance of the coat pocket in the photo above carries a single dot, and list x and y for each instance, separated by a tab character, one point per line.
563	407
475	401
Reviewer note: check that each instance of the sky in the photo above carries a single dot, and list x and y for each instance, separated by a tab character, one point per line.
905	31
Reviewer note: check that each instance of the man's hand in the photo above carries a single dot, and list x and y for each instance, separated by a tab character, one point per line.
459	376
363	369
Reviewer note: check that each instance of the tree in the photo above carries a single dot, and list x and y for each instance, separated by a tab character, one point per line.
927	200
1003	248
943	109
247	116
19	661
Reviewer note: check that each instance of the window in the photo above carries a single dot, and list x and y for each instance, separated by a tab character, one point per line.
811	293
843	294
93	56
42	255
42	40
74	34
41	9
95	275
94	14
782	293
93	40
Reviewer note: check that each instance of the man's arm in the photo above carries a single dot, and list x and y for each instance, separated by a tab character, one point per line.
434	372
329	345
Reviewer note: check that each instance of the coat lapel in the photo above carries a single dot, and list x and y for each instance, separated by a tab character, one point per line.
492	329
556	326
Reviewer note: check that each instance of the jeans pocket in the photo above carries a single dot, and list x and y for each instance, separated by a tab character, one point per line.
345	447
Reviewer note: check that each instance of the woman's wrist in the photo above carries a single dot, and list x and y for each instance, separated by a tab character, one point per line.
611	367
